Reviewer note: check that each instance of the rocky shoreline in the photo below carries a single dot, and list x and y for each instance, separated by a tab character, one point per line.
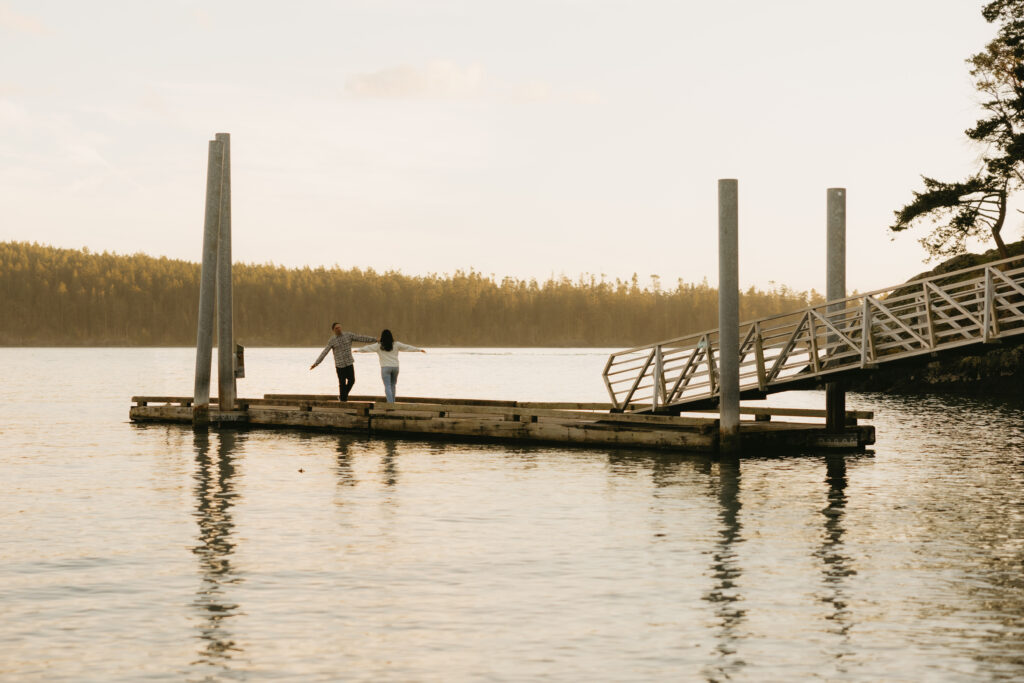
997	371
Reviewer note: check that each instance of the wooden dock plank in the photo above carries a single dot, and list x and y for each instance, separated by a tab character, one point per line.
533	407
512	412
168	413
792	412
380	399
553	405
547	432
181	400
309	419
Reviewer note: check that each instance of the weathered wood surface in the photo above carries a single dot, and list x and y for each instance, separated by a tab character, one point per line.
446	409
569	432
160	413
180	400
404	399
502	420
330	400
560	406
583	410
320	419
765	411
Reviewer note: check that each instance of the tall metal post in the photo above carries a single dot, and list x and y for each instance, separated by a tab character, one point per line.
728	317
225	319
207	284
835	259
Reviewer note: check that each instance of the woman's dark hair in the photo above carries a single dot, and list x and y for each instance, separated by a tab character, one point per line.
387	342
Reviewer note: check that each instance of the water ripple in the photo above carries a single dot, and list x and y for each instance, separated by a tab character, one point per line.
162	553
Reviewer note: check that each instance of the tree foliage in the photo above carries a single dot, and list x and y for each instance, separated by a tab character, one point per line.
977	206
67	297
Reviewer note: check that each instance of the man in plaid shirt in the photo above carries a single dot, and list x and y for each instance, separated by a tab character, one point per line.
341	344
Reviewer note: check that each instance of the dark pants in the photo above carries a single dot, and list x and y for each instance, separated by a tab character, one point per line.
346	378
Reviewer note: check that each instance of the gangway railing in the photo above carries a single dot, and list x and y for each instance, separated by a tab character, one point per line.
976	305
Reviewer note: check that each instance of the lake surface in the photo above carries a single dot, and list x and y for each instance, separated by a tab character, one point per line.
133	553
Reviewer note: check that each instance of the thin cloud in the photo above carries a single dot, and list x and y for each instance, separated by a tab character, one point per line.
11	90
439	80
16	22
202	19
585	96
445	80
12	115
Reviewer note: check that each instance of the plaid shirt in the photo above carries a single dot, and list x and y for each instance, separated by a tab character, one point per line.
342	346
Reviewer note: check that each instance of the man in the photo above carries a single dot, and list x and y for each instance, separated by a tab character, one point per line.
341	343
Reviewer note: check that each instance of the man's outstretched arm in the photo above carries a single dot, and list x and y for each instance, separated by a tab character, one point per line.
323	354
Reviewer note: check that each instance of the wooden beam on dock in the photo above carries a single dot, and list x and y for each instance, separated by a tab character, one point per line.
769	412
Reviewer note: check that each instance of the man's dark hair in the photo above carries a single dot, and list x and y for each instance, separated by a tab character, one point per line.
333	324
387	342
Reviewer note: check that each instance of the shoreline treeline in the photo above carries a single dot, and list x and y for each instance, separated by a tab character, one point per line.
68	297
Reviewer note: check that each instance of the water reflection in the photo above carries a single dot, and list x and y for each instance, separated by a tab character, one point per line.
343	463
215	496
836	564
388	462
725	570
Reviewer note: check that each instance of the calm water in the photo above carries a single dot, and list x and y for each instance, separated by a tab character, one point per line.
159	553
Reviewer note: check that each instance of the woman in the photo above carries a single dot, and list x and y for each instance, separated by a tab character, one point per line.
387	351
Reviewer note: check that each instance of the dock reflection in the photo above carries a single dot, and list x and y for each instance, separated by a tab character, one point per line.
389	464
343	463
724	595
836	564
214	498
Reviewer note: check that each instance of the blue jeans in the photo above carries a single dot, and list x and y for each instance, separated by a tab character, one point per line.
390	377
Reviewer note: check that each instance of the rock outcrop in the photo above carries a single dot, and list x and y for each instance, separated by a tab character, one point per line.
991	369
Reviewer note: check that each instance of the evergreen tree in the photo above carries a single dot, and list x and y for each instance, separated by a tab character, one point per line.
977	205
52	296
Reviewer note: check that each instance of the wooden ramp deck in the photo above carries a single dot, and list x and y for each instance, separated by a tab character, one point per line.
569	424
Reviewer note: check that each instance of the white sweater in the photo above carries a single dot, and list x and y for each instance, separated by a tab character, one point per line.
388	359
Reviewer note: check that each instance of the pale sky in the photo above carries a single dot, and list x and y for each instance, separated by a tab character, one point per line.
524	137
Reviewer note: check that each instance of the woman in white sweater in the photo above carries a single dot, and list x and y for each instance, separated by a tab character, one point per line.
387	352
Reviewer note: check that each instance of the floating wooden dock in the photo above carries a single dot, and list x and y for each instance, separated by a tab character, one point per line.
649	387
569	424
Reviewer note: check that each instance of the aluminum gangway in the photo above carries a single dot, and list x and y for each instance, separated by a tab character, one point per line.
978	305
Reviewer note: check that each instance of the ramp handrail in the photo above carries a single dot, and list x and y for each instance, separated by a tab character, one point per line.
969	306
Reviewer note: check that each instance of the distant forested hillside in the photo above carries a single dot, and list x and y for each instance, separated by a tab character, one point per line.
67	297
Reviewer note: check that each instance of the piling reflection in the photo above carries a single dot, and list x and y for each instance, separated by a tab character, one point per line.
724	596
836	564
215	496
390	470
343	462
